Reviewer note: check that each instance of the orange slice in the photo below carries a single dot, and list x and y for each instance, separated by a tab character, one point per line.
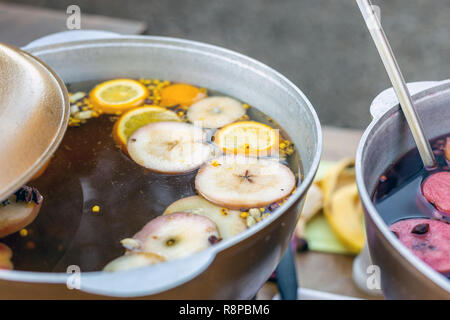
119	95
5	257
180	94
136	118
41	170
447	149
249	138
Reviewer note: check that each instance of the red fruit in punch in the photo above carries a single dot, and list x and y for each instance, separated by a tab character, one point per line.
428	239
436	189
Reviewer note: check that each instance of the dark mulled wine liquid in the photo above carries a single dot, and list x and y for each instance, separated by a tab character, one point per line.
398	193
89	170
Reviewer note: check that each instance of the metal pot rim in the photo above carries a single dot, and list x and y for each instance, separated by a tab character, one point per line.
226	55
370	207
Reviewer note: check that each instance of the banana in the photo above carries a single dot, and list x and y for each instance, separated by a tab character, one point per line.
177	235
229	222
133	260
239	182
341	205
345	216
313	204
169	147
215	112
340	174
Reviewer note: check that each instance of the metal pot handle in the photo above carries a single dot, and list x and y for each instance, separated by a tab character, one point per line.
387	98
69	36
148	280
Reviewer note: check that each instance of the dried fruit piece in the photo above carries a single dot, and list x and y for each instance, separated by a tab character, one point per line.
242	182
169	147
119	95
249	138
180	94
215	112
213	240
229	222
177	235
421	228
28	194
136	118
133	260
433	246
436	189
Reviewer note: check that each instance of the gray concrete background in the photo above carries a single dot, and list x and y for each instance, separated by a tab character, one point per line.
321	45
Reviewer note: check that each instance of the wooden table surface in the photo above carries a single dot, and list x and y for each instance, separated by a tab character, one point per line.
325	272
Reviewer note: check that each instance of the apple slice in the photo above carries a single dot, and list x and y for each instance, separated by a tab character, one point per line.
229	222
133	260
169	147
19	210
177	235
239	182
215	112
428	239
436	189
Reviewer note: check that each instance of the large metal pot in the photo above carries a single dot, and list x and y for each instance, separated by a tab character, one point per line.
403	275
233	269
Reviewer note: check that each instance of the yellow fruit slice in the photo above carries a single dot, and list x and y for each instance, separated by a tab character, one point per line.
447	149
249	138
133	119
341	205
340	174
5	257
41	170
313	204
119	95
346	217
180	94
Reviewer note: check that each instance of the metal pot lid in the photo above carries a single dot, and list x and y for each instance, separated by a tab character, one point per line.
34	113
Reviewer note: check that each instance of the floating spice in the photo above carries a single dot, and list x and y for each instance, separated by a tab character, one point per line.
81	109
421	228
214	239
28	194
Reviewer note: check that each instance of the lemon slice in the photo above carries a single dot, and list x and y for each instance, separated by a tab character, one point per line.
136	118
119	95
248	137
180	94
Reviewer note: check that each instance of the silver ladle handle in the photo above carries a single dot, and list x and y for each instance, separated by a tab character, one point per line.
398	82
